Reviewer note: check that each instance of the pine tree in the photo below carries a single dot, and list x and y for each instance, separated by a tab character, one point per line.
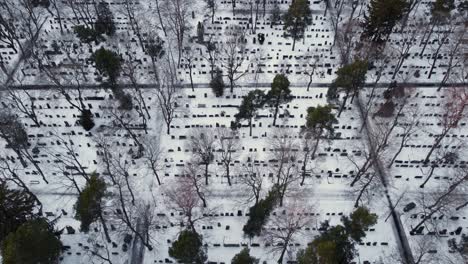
278	94
16	208
88	206
337	244
217	83
87	35
297	18
108	63
350	78
319	121
104	23
381	18
188	248
258	214
243	257
86	120
253	101
359	221
200	33
33	242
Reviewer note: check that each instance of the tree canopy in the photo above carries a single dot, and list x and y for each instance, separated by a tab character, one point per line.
258	214
243	257
108	63
320	119
217	83
297	18
16	208
279	93
253	101
33	242
88	206
381	18
188	248
336	244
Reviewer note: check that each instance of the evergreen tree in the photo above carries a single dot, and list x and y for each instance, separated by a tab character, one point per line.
337	244
441	10
331	247
87	35
13	131
108	63
381	18
32	243
275	14
200	32
104	23
279	93
359	221
217	83
188	248
253	101
16	208
243	257
86	120
297	18
258	214
319	121
350	78
88	206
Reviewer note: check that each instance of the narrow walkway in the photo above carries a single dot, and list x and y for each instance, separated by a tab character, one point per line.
382	173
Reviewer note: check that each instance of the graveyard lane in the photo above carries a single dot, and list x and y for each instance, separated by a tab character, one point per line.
246	85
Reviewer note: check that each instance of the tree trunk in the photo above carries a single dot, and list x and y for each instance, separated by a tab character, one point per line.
104	226
276	112
206	173
283	251
429	176
227	174
343	104
397	153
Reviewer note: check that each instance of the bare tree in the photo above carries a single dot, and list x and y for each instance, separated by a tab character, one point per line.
10	172
233	50
167	94
285	227
153	155
228	148
453	111
202	145
117	170
188	198
24	102
252	177
177	17
284	152
444	200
